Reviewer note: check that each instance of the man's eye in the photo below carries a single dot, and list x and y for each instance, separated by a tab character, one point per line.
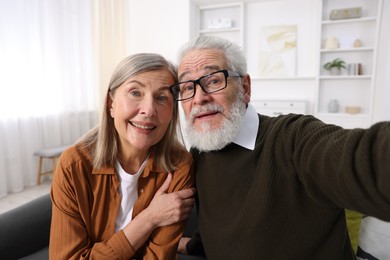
213	82
188	87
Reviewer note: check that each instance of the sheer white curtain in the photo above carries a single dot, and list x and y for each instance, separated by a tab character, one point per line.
48	82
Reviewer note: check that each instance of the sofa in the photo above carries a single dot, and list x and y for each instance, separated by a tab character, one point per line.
25	231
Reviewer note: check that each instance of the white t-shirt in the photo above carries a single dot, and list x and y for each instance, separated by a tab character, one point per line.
374	239
129	194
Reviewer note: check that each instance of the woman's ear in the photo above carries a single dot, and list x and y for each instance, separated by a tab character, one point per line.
109	104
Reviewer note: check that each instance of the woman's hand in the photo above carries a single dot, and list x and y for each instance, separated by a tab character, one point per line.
164	209
168	208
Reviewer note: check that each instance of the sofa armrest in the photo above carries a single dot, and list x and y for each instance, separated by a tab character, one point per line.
25	229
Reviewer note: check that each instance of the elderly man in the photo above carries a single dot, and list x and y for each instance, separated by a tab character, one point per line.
272	187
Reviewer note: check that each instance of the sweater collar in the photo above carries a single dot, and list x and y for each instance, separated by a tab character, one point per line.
246	137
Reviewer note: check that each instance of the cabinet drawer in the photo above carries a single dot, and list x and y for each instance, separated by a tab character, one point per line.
279	107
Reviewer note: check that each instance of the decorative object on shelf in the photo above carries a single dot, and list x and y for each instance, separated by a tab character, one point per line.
335	66
346	13
360	69
278	51
357	43
355	69
331	43
352	69
352	109
347	42
333	106
220	23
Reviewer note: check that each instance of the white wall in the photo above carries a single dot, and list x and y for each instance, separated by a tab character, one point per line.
158	26
382	88
302	13
163	26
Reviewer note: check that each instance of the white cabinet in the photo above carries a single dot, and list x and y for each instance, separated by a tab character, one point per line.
354	40
222	20
278	107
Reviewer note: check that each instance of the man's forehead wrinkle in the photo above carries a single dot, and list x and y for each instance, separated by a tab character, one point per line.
198	67
201	61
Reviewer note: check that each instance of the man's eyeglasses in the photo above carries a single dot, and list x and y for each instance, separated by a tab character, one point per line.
209	83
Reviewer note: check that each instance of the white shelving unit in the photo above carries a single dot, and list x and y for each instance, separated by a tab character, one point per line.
310	83
222	20
349	90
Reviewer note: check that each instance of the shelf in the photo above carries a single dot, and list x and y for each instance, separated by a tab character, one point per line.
357	20
232	29
343	115
218	6
283	78
346	77
348	49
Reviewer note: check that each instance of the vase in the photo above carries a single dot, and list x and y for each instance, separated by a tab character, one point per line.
357	43
333	106
331	43
335	71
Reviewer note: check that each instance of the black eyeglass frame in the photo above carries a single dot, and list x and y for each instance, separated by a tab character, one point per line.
227	73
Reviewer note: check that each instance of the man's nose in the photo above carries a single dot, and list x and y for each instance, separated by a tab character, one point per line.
201	96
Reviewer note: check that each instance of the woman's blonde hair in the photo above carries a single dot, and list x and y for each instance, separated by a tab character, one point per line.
103	140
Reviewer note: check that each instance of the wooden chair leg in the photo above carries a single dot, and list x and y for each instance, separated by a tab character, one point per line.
54	163
39	170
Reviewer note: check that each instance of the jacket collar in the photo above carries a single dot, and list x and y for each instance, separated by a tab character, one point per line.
150	167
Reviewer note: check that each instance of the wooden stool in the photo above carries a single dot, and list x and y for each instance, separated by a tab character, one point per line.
48	153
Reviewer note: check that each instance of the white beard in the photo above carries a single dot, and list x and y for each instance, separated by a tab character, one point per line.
210	140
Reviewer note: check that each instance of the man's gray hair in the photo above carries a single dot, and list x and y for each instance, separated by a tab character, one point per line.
234	55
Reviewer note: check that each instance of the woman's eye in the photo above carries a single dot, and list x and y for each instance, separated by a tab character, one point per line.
162	98
135	93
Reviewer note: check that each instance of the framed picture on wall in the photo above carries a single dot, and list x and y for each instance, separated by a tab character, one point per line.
278	51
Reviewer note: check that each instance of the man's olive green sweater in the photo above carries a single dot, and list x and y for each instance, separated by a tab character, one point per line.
286	198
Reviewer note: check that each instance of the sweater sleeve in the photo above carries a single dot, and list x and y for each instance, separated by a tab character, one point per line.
345	168
195	246
163	242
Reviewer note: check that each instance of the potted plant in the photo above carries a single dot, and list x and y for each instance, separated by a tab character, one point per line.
335	66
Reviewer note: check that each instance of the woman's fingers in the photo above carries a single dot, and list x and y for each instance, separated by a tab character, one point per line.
165	186
187	193
168	208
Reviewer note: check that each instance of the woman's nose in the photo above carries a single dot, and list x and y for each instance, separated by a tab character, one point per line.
148	108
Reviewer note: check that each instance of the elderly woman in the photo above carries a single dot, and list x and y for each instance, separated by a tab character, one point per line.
124	190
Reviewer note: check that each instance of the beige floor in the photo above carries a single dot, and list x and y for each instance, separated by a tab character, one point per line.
14	200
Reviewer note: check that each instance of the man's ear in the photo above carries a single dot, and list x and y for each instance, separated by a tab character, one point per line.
246	84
